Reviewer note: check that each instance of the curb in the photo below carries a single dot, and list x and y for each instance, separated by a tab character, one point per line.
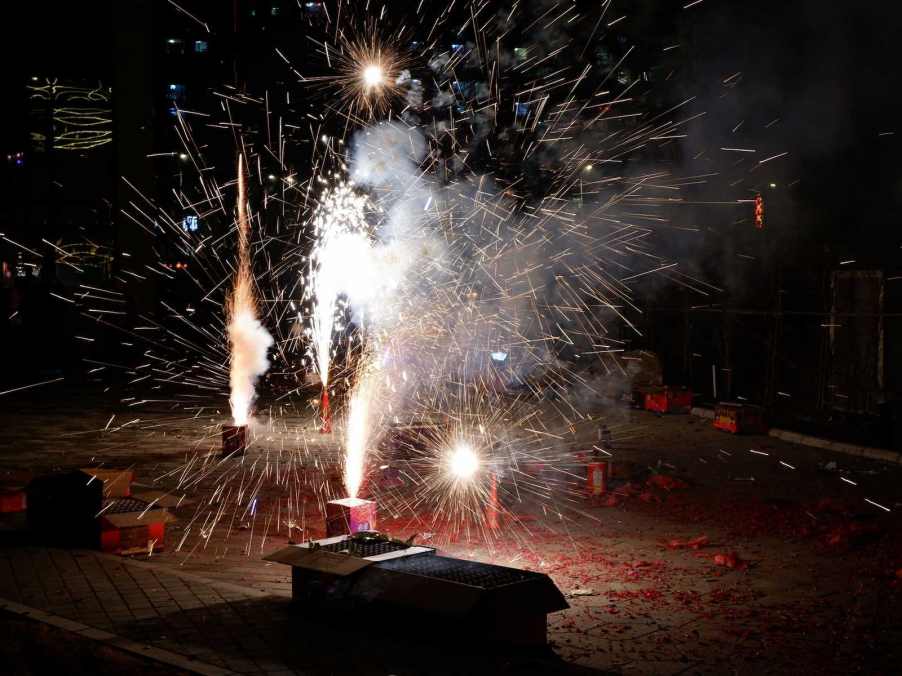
881	454
114	641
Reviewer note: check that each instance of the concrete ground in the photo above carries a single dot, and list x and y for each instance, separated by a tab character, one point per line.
712	553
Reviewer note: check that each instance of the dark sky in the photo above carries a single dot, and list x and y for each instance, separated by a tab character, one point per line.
826	71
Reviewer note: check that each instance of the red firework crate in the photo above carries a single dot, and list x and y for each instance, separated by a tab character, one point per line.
669	400
12	500
739	418
597	474
349	515
127	525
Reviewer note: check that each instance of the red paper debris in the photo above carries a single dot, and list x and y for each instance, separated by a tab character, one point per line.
665	482
730	560
694	543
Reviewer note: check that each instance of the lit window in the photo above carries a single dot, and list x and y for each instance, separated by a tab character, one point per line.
520	53
175	46
200	46
275	10
189	224
175	92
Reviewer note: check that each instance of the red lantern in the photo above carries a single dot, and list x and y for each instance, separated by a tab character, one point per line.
759	212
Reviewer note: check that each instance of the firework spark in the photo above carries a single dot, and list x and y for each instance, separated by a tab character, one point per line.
339	265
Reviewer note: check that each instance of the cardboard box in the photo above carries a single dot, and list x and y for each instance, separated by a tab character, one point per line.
669	400
739	418
131	525
117	483
349	515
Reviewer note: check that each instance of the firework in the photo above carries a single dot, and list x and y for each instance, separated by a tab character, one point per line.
248	339
463	461
469	224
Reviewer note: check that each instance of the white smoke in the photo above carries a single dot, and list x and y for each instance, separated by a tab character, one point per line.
250	342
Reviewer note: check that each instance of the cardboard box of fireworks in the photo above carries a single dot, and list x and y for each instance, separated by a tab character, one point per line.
668	399
73	509
739	418
131	525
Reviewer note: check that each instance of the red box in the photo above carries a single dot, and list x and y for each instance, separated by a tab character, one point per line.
597	474
234	439
669	400
12	500
130	526
739	418
350	515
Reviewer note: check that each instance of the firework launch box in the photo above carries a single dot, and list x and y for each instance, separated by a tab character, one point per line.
234	439
413	588
739	418
668	400
131	525
73	509
350	515
12	500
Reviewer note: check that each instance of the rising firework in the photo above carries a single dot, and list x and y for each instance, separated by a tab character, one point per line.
249	340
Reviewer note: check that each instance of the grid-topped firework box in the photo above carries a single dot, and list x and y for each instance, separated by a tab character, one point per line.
130	525
415	587
95	510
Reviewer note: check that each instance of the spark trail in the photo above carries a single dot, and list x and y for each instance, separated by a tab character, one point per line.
248	338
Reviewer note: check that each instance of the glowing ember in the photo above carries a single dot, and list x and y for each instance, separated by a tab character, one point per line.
373	76
463	461
248	339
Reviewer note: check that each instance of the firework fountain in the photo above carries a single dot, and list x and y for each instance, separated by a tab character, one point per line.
338	266
525	228
249	341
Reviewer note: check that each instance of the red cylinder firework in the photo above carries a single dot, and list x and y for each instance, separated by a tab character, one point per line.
491	515
597	474
325	414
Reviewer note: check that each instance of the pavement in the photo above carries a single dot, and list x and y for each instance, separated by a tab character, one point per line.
745	555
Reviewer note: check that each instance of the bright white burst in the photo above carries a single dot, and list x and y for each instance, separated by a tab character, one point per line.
463	461
340	230
373	76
